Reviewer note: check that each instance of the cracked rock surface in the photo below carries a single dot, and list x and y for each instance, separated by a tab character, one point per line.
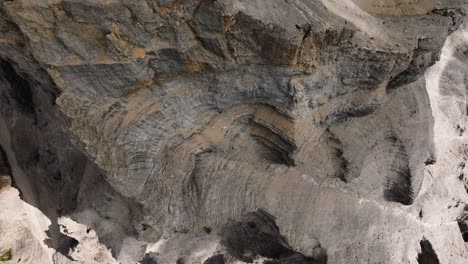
232	131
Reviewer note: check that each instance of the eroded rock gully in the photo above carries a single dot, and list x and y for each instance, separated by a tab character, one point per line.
231	131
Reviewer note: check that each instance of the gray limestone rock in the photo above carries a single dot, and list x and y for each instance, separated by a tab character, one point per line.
232	131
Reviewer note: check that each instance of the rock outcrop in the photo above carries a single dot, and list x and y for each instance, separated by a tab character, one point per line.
231	131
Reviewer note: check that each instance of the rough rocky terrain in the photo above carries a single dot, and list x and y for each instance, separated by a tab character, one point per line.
233	131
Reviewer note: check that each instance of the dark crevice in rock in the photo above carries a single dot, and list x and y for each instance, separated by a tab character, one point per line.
5	171
463	224
295	259
270	152
465	237
430	161
20	88
461	174
217	259
427	255
280	149
207	229
463	229
5	168
64	244
420	62
256	234
343	165
149	258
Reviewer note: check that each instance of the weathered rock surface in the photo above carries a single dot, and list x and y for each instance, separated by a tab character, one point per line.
231	131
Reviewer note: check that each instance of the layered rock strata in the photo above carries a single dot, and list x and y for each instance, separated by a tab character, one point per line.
320	122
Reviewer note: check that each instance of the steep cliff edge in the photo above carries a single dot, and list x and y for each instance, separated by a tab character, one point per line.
229	131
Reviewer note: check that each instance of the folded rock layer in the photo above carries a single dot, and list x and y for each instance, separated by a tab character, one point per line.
227	131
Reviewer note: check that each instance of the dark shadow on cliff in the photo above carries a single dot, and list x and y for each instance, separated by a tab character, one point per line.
31	140
49	169
257	234
427	255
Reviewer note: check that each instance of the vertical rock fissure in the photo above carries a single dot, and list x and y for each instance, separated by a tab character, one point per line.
427	255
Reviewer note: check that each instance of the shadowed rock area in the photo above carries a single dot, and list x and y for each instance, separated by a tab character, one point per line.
427	255
257	234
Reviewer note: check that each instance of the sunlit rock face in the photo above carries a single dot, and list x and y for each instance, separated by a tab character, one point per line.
229	131
398	7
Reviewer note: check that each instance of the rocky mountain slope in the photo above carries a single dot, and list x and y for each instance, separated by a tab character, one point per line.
232	131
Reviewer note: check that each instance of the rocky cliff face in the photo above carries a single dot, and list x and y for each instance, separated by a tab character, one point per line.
231	131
